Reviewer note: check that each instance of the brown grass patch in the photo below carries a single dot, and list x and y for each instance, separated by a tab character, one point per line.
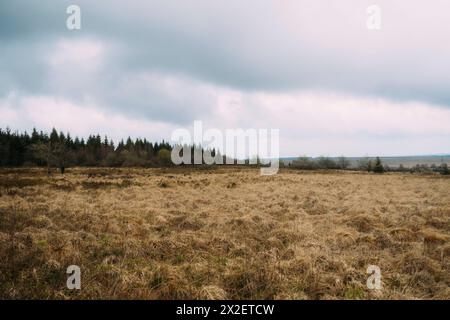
223	233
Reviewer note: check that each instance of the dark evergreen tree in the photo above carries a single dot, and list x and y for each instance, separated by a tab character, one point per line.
61	150
378	166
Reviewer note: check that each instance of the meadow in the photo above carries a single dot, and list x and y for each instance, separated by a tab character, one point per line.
223	233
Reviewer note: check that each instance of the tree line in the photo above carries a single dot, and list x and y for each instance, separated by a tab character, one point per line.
340	163
61	150
363	164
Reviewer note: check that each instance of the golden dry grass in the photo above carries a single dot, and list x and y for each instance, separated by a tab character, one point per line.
223	234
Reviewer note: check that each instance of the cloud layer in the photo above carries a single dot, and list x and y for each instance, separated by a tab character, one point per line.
310	68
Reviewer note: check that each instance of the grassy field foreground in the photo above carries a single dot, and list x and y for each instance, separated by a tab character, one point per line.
223	234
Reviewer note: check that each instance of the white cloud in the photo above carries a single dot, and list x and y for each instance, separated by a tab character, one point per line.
79	53
313	123
46	112
322	113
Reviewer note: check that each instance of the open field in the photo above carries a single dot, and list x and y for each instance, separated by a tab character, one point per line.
223	233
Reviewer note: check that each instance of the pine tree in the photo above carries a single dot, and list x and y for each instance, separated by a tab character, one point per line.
378	166
61	150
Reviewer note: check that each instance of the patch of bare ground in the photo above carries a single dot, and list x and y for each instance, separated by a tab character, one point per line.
223	233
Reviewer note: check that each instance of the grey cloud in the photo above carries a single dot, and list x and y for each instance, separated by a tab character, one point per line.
251	45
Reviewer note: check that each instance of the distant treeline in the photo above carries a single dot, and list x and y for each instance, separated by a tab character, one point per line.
363	164
61	150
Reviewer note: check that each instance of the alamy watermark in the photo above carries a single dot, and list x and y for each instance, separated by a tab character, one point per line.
214	146
74	280
373	21
374	280
73	21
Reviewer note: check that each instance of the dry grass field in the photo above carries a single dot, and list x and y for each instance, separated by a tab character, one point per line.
224	233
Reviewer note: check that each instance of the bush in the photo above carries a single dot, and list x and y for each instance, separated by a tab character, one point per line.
132	160
303	163
343	163
326	163
365	164
164	157
421	168
443	169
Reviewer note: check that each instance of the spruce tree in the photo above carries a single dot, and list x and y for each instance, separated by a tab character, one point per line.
378	166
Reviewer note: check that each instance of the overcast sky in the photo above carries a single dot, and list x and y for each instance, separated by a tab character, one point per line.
310	68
